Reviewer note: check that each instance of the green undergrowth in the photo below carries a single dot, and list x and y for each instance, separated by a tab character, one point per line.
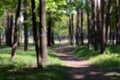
110	58
24	67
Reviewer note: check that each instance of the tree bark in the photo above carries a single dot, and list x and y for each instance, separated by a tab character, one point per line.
42	32
25	27
49	30
102	46
16	31
107	37
35	35
9	29
82	37
89	28
77	27
117	22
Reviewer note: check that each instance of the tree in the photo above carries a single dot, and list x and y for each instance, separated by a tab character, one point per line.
35	34
53	11
117	22
9	29
42	31
25	26
39	33
108	12
16	31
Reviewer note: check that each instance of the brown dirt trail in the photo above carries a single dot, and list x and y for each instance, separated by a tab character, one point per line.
80	69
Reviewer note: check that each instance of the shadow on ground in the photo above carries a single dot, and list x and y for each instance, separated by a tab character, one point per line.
88	73
80	69
54	72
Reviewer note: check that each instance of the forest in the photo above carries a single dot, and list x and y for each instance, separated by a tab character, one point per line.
59	39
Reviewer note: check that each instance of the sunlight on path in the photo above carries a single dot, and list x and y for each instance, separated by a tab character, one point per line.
78	68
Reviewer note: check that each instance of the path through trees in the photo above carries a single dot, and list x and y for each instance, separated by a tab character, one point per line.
80	69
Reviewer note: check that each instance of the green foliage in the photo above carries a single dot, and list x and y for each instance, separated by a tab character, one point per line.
61	27
2	23
110	59
54	5
9	5
24	67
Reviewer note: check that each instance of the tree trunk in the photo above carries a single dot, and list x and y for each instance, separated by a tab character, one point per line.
71	29
92	22
49	30
42	32
103	46
16	31
9	29
89	28
35	35
94	25
82	37
25	27
108	21
77	27
117	22
53	42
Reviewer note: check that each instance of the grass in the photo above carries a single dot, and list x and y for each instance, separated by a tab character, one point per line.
110	59
24	67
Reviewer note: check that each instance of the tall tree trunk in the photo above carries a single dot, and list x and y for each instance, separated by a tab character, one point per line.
77	26
82	37
25	27
35	35
89	28
42	32
49	30
16	31
117	22
108	21
92	22
94	25
9	29
71	29
98	25
103	46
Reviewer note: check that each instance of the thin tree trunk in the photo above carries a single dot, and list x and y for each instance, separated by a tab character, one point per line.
92	22
77	26
49	30
25	27
82	37
103	46
35	35
89	29
16	31
117	22
53	42
72	29
108	21
94	26
9	30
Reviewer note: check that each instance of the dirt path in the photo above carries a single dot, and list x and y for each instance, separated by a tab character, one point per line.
80	69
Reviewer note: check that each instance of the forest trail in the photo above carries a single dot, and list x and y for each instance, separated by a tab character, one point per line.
80	69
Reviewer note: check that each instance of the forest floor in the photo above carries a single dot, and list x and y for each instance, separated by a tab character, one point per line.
81	69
